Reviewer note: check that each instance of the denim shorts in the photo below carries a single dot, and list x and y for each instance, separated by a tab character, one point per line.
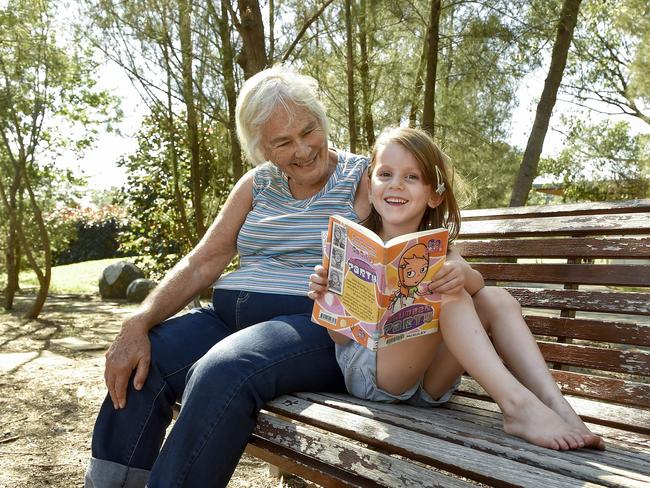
359	367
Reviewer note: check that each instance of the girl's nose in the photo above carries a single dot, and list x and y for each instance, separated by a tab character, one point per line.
395	182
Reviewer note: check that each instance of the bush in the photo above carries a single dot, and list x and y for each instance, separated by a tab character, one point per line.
89	234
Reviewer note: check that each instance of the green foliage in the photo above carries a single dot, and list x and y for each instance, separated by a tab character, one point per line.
601	162
155	232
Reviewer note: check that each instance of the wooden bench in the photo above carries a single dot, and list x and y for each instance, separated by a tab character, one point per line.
588	303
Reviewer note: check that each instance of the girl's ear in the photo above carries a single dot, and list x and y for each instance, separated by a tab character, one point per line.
435	200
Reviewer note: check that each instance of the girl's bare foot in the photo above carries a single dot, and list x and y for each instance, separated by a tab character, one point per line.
561	407
533	421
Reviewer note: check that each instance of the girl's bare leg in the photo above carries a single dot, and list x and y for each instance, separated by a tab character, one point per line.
402	365
501	315
524	414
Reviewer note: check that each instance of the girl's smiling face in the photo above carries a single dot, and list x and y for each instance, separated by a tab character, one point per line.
398	191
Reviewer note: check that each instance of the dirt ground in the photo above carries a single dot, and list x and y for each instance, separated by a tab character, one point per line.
51	386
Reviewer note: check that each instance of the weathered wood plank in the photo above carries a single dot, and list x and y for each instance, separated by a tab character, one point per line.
573	247
354	458
486	434
611	389
591	208
588	301
579	274
592	330
589	225
631	362
477	465
307	468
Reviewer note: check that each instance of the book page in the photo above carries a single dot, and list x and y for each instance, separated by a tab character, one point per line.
351	305
409	310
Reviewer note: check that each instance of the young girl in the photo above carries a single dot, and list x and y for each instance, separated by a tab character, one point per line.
409	191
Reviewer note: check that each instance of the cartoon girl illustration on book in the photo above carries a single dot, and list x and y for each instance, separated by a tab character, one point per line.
411	270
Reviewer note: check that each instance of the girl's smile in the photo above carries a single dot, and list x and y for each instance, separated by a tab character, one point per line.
398	191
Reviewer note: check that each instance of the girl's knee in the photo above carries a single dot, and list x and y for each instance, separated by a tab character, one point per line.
493	298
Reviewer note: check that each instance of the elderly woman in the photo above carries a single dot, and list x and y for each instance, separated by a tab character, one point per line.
256	341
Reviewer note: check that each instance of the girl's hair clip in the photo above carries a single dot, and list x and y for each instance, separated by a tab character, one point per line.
440	188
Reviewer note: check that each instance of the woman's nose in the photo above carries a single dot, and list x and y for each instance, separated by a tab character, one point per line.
302	149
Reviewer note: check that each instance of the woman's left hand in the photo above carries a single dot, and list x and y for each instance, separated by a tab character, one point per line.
449	280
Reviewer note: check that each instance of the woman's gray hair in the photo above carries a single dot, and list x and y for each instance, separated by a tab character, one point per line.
265	91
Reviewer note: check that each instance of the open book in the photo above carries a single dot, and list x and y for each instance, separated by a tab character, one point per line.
378	292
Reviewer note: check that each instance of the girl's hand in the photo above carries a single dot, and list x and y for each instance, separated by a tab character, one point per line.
449	280
317	282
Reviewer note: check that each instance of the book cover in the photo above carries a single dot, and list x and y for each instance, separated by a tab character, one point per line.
378	292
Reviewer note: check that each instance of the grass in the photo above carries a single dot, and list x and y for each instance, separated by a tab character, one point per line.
78	278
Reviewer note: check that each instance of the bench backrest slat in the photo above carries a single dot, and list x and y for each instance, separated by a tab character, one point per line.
581	274
586	301
581	225
576	247
618	360
591	330
604	388
592	208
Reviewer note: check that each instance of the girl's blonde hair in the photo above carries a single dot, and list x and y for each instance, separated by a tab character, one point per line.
429	157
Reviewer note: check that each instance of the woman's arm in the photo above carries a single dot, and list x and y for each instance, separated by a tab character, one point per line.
195	272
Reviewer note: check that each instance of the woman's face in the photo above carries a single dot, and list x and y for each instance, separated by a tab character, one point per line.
294	141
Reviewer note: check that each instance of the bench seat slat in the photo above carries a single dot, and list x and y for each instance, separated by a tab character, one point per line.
480	427
456	458
630	362
592	330
593	208
580	274
587	301
343	454
575	247
307	468
589	225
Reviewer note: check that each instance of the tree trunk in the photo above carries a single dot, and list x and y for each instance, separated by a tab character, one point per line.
419	83
250	26
530	162
12	253
230	89
428	109
364	69
352	122
185	32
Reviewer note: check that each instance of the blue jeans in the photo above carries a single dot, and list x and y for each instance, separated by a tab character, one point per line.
225	362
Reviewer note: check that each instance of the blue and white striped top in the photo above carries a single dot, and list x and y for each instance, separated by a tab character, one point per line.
280	241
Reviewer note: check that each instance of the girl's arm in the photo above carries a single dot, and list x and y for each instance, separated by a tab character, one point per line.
455	275
317	288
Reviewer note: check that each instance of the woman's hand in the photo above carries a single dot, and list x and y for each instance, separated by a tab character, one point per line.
449	280
130	350
317	282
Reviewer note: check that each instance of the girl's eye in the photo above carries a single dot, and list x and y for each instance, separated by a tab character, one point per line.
423	270
383	174
410	274
412	177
